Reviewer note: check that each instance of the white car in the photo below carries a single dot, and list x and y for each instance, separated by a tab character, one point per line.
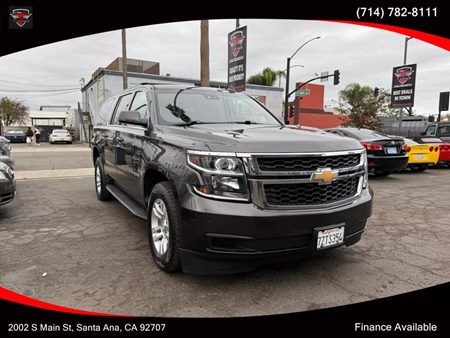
60	135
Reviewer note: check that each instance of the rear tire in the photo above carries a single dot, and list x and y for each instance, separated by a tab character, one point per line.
420	168
100	182
164	227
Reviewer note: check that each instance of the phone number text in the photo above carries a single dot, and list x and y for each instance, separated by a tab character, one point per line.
396	12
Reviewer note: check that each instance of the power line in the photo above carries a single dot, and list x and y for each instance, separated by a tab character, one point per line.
37	90
33	83
45	95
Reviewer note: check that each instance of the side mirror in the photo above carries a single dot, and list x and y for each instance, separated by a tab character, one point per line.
423	133
132	117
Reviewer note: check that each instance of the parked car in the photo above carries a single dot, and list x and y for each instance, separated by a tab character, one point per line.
421	156
7	181
5	147
385	154
60	135
440	130
16	136
227	191
444	148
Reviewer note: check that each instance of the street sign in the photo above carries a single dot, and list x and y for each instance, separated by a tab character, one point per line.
302	92
237	56
403	86
324	76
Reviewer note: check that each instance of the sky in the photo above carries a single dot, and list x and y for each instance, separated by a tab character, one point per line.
362	54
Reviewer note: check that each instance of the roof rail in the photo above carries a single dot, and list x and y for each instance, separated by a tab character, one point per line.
151	83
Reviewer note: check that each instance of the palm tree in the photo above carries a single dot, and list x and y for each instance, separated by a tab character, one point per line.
266	78
204	53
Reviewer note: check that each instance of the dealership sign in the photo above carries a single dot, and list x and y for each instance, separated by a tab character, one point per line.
403	86
237	55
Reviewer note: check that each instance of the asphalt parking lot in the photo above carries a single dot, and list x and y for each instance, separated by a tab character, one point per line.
61	245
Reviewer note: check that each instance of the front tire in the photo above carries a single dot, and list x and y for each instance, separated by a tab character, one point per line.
100	182
164	227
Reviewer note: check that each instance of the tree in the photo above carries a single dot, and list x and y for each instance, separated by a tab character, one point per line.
266	78
12	111
361	106
385	109
204	53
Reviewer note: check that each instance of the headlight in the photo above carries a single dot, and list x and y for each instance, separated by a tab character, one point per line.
366	171
222	176
2	175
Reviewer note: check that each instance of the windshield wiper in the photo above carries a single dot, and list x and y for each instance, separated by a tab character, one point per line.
190	123
177	111
245	122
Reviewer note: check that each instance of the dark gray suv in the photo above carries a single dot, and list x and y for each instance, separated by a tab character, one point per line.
223	184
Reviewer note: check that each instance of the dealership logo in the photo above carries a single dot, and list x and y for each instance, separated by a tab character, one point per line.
324	176
403	74
20	17
236	42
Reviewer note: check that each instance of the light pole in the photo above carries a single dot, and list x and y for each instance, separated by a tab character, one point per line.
288	66
405	54
279	77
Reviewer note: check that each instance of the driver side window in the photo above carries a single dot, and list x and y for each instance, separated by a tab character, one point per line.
140	104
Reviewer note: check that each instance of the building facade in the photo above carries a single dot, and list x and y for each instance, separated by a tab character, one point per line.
106	83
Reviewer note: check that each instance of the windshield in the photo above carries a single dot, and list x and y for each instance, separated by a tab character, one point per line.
210	107
60	131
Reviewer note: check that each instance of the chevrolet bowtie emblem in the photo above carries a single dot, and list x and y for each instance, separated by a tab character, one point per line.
324	176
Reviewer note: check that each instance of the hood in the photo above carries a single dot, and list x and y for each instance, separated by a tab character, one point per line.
262	139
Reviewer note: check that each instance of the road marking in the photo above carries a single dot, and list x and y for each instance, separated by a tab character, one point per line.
57	173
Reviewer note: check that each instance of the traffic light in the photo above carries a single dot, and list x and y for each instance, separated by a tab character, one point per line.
376	91
292	111
336	77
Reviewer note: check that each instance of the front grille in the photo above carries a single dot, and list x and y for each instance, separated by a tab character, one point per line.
310	193
307	162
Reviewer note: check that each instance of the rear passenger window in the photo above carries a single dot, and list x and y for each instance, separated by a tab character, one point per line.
104	115
140	104
124	105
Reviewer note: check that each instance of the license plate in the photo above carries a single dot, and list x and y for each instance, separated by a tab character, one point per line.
330	237
420	157
391	150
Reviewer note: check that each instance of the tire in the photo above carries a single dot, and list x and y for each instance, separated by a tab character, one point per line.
419	169
382	173
164	227
101	181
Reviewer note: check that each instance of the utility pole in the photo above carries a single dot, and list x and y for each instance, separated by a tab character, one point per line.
237	23
124	59
204	53
405	54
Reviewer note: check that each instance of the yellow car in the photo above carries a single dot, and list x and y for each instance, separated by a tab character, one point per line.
420	156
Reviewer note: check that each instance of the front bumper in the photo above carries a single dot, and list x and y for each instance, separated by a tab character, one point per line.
225	237
387	163
64	140
7	191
